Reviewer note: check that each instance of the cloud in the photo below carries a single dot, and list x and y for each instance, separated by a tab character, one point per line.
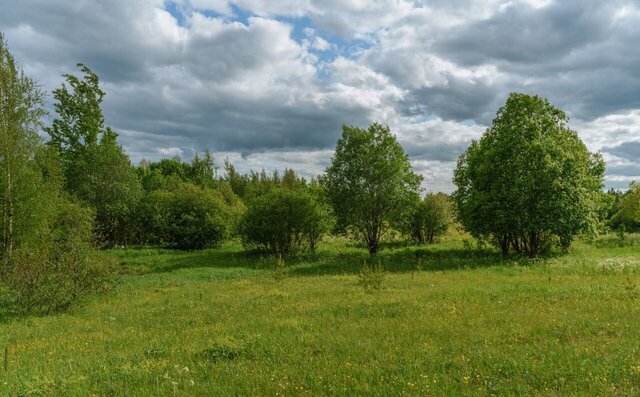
626	150
269	83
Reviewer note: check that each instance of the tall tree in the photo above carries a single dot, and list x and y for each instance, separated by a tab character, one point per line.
530	180
97	171
20	113
43	247
370	182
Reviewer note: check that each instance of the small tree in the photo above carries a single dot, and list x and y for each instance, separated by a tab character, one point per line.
530	180
431	218
370	183
283	221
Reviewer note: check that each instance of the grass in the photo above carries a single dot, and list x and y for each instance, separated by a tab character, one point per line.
450	319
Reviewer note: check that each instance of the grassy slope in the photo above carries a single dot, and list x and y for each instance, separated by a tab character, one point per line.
217	323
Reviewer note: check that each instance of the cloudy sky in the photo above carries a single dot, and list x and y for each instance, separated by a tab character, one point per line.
269	83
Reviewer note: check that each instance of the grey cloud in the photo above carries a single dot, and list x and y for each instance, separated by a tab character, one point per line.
250	88
624	170
522	34
580	54
436	151
627	150
457	100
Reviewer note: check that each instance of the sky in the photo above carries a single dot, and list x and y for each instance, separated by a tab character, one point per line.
268	84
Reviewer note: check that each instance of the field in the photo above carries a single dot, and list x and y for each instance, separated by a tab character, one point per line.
448	319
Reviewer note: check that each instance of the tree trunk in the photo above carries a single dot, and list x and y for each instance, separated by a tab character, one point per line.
504	242
8	243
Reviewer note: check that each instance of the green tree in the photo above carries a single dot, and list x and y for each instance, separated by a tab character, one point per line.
113	189
530	180
628	212
21	184
45	250
370	183
431	218
97	171
203	170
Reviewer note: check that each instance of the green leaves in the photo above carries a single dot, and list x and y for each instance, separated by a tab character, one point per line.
283	221
529	180
370	182
97	171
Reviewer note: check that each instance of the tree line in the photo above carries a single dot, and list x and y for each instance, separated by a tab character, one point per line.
527	185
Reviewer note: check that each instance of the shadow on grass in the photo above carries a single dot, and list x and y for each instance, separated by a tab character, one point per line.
409	259
330	259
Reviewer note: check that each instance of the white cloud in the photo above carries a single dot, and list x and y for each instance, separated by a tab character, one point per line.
250	80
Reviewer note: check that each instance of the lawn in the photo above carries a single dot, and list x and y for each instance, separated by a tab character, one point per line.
448	319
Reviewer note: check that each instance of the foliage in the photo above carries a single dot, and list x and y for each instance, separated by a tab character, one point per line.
21	184
371	276
97	171
529	180
166	173
60	269
253	184
45	246
431	218
370	183
189	216
628	213
284	221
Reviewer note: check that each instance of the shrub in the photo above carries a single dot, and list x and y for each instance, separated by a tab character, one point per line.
371	276
284	221
59	270
189	217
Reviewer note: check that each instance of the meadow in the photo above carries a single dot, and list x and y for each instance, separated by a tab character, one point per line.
453	318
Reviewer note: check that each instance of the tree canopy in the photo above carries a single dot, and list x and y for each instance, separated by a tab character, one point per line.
530	180
370	182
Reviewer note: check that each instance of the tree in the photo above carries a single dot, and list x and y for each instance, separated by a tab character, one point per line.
283	221
529	181
431	218
113	189
166	173
45	252
20	182
370	183
97	171
77	130
628	213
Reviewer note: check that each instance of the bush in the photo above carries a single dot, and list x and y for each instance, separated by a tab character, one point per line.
284	221
189	217
53	275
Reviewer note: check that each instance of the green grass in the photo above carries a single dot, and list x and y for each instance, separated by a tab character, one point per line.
448	320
